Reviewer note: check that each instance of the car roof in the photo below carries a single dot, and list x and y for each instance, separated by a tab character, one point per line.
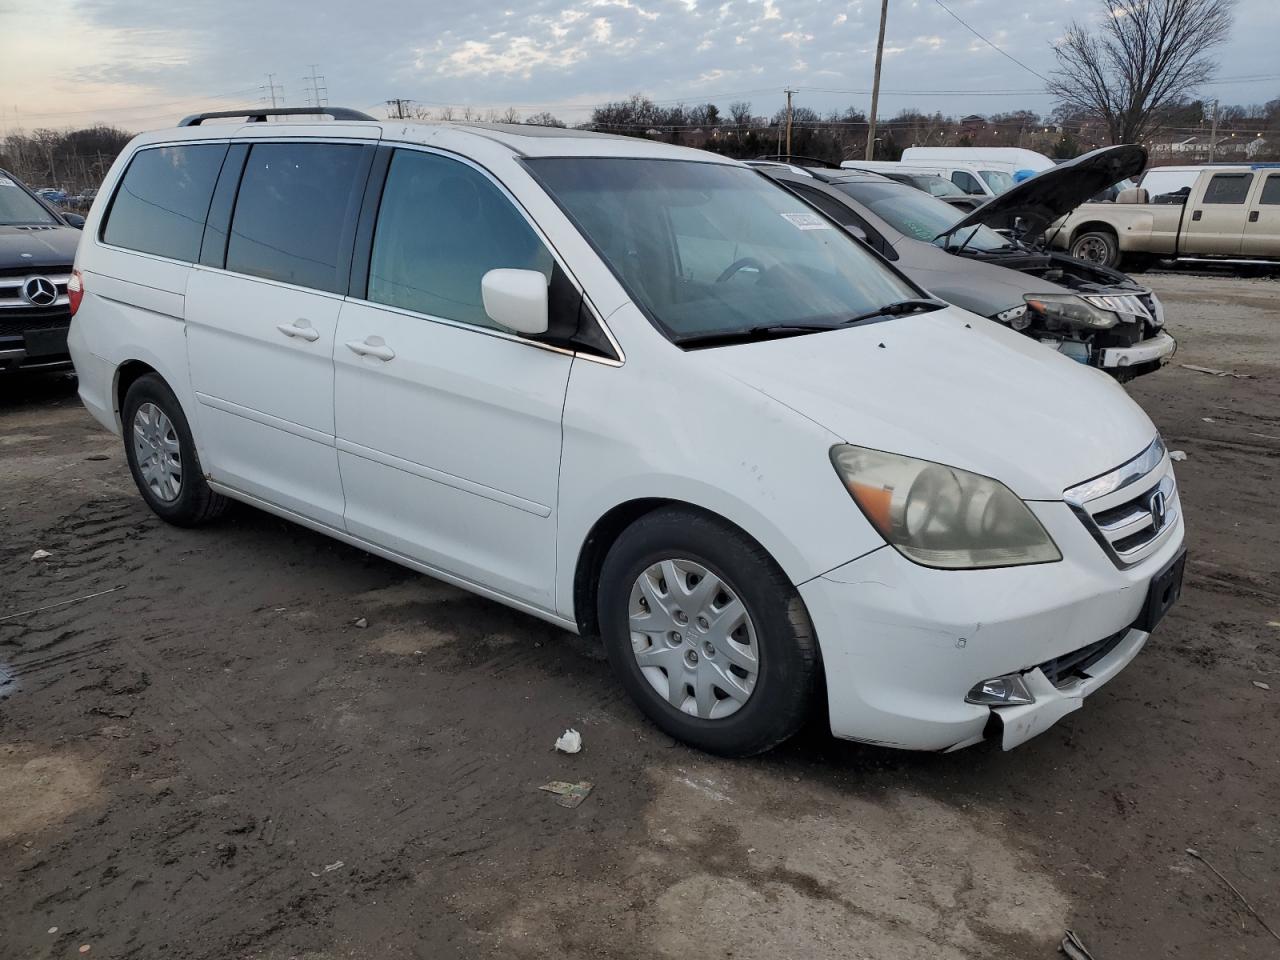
822	175
524	140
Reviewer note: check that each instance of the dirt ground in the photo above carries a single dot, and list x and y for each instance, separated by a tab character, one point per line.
213	761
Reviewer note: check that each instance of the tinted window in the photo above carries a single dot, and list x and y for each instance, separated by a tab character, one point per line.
163	199
441	227
296	212
1271	189
710	249
966	182
1228	188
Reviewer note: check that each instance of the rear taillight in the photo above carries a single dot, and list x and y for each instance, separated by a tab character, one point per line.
75	291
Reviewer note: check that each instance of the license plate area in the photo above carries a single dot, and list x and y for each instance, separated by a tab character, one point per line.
44	343
1163	593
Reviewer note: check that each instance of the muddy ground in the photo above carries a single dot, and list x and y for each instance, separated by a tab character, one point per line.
214	762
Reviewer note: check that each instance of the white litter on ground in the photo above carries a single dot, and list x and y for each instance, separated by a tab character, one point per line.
569	742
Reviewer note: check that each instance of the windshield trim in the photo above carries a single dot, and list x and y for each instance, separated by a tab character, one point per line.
672	336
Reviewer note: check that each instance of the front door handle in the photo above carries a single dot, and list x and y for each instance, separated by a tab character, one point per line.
1253	216
300	329
371	347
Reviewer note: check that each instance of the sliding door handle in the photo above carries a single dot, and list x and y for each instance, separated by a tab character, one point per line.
371	347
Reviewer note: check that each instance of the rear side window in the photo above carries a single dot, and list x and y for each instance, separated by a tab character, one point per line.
163	199
441	227
296	212
1271	190
1228	188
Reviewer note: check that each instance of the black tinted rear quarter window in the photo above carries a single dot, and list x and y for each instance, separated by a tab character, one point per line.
1228	188
163	198
296	213
1271	190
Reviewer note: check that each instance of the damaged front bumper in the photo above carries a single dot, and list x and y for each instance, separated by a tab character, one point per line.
903	645
1156	350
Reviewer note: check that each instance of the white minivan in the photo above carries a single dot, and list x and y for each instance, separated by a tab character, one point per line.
638	391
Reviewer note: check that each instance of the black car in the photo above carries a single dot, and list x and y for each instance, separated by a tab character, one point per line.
37	247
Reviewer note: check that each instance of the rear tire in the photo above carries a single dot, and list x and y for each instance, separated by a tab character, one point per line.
162	455
728	679
1097	246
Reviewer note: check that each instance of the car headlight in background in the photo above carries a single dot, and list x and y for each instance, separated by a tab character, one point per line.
1019	318
941	516
1071	311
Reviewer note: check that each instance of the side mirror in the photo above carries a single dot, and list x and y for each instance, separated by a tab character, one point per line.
74	220
516	299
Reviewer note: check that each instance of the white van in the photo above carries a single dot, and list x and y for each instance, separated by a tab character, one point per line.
1016	158
638	391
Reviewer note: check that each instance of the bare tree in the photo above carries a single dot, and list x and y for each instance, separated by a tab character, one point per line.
1146	57
544	119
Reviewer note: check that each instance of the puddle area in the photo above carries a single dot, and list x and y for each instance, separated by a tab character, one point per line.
8	681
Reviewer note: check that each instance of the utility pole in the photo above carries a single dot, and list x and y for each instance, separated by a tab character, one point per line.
875	86
789	92
1213	131
398	105
319	95
272	91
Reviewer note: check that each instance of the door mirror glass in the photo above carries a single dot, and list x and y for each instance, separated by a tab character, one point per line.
516	300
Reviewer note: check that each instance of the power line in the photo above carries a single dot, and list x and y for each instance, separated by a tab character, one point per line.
989	43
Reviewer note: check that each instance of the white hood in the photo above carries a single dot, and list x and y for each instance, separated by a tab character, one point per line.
954	388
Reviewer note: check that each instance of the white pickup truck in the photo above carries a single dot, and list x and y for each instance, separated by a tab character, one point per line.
1227	213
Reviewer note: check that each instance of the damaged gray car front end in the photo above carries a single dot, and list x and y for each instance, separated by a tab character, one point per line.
993	261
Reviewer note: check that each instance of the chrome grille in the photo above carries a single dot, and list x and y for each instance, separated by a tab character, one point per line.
11	297
1132	509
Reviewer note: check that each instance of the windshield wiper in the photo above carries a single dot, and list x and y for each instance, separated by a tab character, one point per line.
918	305
763	331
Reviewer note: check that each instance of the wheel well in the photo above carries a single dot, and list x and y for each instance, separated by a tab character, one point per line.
595	548
1096	226
586	576
127	373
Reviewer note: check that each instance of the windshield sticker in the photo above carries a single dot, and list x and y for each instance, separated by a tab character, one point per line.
6	182
806	221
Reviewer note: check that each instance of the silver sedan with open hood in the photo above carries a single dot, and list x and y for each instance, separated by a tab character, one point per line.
993	261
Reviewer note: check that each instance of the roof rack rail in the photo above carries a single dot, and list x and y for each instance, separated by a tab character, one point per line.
259	114
799	159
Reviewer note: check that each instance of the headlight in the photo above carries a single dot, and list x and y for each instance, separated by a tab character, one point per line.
1071	311
1015	317
940	516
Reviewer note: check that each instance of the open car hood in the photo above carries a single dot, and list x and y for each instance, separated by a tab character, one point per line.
1051	194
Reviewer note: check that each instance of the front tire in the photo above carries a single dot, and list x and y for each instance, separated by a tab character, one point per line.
162	455
1097	246
706	633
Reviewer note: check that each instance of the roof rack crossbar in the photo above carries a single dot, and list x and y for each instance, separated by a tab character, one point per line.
259	114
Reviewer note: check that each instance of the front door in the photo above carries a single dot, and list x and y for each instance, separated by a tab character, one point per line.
260	333
1262	225
448	428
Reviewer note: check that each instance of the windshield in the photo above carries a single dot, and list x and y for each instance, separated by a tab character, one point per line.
997	180
18	206
935	185
708	248
921	216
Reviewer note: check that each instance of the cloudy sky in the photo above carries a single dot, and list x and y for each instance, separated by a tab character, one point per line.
143	63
